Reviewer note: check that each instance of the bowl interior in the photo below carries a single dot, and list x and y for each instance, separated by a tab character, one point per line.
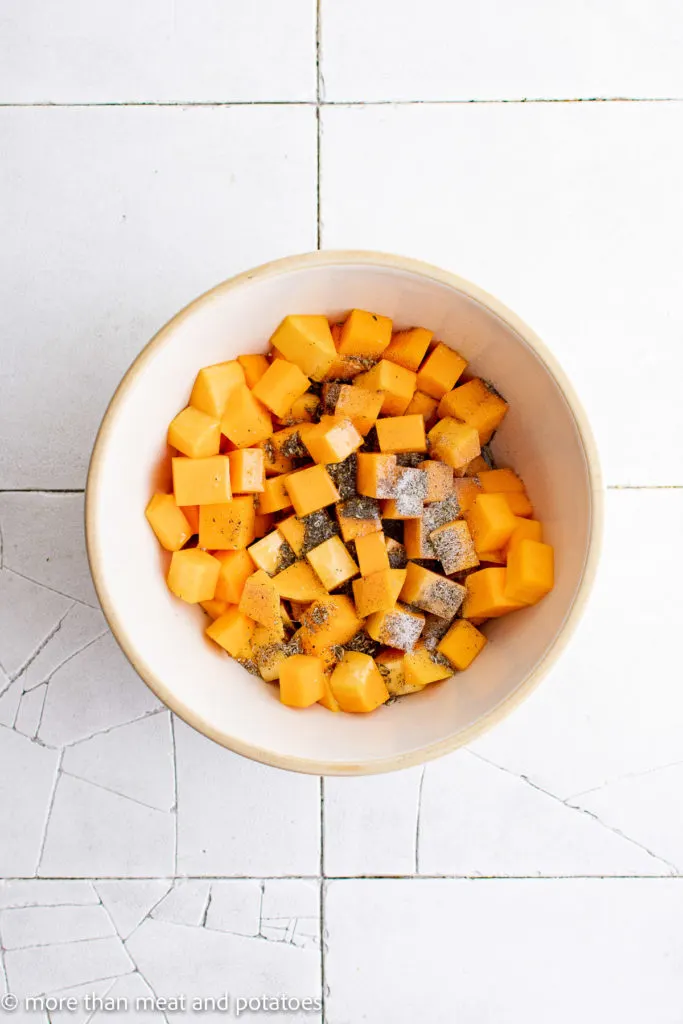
164	637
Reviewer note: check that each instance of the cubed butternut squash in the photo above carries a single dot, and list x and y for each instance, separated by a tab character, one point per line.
213	385
271	553
359	405
299	582
431	592
280	386
214	608
440	370
525	529
195	434
425	406
397	384
232	631
519	503
201	481
399	434
357	684
307	342
461	644
530	571
236	568
253	367
439	479
376	474
260	600
491	522
358	519
332	440
332	563
408	348
168	522
247	470
372	553
311	489
227	526
294	532
485	597
275	497
378	592
454	547
302	681
193	575
477	405
453	442
245	421
364	334
400	627
421	667
391	665
331	620
500	481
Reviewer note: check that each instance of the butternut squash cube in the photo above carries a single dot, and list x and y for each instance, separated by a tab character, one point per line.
275	462
358	518
500	481
299	582
422	668
307	342
416	539
213	385
303	410
396	553
227	526
425	406
195	434
526	529
274	497
347	367
328	699
260	600
397	383
376	475
399	434
332	440
530	571
270	552
485	598
378	592
214	608
236	568
331	620
357	683
519	504
168	522
407	348
440	370
391	665
432	593
411	488
476	404
332	563
466	490
247	470
311	489
245	421
302	681
399	627
294	532
201	481
191	513
454	443
271	657
263	523
491	522
359	405
439	479
253	366
372	553
232	631
476	466
280	386
364	334
192	575
461	644
454	547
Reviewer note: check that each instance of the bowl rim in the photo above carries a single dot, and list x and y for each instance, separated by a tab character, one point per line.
347	257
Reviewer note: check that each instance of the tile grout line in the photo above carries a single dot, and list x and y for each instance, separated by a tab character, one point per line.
203	104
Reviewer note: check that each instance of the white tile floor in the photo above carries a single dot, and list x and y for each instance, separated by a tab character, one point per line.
150	150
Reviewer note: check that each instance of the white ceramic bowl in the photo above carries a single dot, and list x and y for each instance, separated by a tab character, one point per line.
544	436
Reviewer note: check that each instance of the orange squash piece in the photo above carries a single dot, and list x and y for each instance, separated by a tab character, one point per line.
213	385
302	681
466	490
454	547
461	644
260	600
236	568
474	403
195	434
245	421
485	598
192	575
376	474
500	481
372	554
307	342
357	684
431	592
214	608
311	489
352	527
439	479
299	582
491	522
359	405
247	470
525	529
378	592
400	627
267	553
519	504
332	563
329	621
280	386
294	532
407	348
398	434
397	383
425	406
227	526
440	370
168	522
421	668
332	440
201	481
253	367
275	496
232	631
530	571
454	443
364	334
